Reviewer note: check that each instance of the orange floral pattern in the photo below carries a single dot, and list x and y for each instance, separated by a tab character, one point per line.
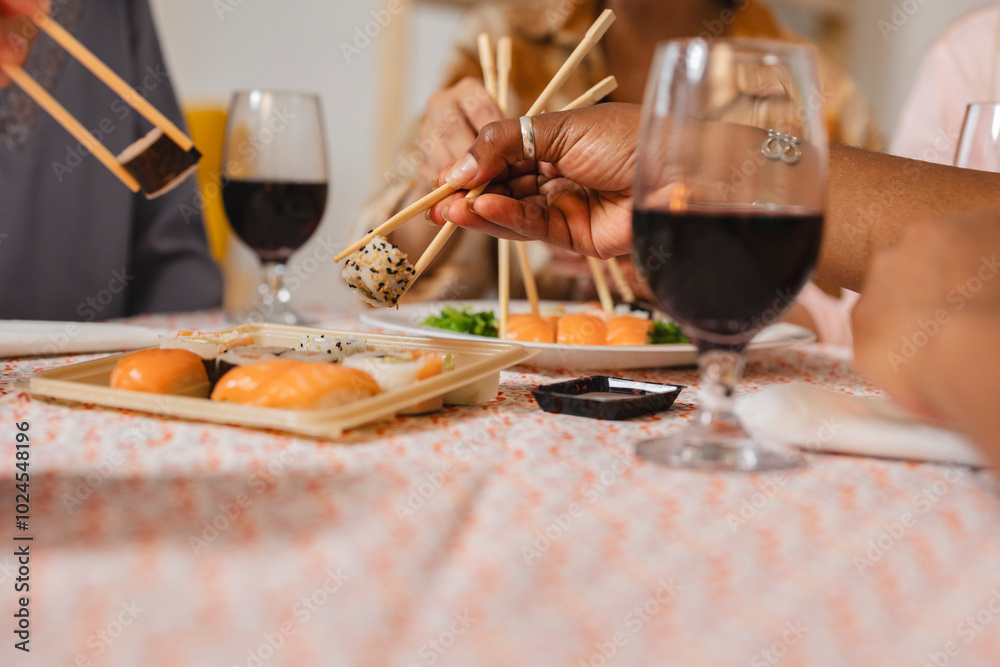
487	535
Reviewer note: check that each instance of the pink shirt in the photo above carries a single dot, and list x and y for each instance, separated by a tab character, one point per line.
956	72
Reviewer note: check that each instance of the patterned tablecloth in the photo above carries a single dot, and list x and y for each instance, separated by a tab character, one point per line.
487	535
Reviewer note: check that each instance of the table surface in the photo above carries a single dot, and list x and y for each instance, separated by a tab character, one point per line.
485	535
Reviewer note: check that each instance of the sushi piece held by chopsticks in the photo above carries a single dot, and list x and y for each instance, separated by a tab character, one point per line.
158	164
379	272
154	164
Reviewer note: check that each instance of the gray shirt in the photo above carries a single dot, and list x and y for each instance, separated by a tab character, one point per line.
76	244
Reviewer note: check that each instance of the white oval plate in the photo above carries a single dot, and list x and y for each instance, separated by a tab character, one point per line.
408	318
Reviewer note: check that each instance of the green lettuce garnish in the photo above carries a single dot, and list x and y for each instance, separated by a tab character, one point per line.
463	320
666	333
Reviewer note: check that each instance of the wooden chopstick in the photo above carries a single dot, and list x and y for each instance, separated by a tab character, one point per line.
530	287
111	80
398	220
71	124
439	242
616	274
605	87
504	56
503	289
601	283
593	36
486	62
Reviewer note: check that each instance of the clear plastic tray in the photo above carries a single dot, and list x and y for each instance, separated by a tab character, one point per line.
475	379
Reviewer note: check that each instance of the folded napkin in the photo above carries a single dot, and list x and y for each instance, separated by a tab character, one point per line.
817	419
23	338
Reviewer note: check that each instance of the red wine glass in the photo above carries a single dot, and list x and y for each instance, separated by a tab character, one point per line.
275	186
729	201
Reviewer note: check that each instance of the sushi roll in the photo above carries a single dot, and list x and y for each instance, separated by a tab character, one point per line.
246	354
581	329
628	330
207	346
336	349
311	357
294	385
161	372
380	273
528	328
395	370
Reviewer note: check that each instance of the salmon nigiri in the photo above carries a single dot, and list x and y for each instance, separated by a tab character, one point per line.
294	385
161	372
581	329
529	328
628	330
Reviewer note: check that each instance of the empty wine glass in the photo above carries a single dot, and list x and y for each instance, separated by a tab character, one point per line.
275	186
979	143
729	201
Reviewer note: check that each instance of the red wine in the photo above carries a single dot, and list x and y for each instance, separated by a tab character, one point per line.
274	218
724	275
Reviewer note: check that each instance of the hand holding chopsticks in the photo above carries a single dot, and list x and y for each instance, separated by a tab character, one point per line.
593	36
153	164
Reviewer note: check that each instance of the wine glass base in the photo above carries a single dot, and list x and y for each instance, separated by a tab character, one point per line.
693	450
269	315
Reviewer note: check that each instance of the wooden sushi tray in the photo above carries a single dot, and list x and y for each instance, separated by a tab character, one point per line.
475	379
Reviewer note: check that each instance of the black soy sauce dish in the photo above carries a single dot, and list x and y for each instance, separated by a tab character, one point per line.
603	397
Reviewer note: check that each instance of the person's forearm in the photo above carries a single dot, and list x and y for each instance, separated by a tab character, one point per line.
873	196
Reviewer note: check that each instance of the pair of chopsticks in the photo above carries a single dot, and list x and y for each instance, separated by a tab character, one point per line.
601	283
592	96
498	86
86	58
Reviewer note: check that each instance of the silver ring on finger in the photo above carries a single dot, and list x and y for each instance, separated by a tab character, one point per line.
528	137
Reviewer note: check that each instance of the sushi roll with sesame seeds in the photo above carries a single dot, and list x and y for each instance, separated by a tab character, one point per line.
312	348
379	273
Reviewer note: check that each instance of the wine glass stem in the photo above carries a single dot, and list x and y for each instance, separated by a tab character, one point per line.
721	371
272	283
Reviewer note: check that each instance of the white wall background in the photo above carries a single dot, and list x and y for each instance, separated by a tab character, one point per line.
296	45
885	65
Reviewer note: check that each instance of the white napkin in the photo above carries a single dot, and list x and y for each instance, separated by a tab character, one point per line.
24	338
817	419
